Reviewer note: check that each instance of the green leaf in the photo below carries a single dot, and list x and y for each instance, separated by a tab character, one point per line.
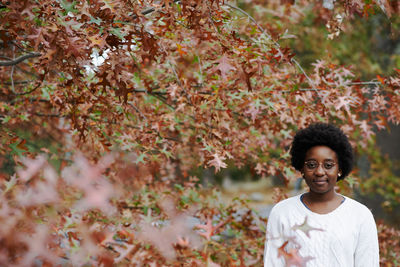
68	7
141	158
117	32
351	181
6	119
96	21
16	150
269	103
10	183
167	153
179	187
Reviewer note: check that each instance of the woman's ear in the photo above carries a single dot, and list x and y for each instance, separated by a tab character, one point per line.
339	173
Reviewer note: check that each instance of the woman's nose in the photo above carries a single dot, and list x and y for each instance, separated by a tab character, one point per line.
320	170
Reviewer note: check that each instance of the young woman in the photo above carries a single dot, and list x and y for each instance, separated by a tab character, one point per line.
321	228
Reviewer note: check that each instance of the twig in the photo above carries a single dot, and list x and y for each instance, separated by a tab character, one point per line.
26	72
31	99
201	71
210	18
305	74
352	83
19	59
277	46
18	82
19	47
162	100
157	95
147	92
30	91
21	69
137	110
366	83
48	115
5	57
261	29
180	84
175	73
177	77
12	71
301	89
150	10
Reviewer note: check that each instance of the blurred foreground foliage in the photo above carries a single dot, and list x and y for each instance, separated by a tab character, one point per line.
88	215
81	217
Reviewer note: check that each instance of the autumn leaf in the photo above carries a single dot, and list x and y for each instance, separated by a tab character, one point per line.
98	40
260	169
217	162
292	257
343	102
10	183
305	227
223	66
38	246
209	228
32	167
165	238
380	79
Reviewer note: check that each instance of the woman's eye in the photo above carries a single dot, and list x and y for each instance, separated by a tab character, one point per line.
329	165
311	165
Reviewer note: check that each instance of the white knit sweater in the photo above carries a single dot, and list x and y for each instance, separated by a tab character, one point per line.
345	237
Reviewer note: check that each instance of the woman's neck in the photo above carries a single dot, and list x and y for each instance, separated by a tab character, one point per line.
313	197
322	203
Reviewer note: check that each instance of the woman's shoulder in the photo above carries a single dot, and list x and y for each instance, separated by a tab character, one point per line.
357	208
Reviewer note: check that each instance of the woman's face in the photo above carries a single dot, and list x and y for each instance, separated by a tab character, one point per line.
321	169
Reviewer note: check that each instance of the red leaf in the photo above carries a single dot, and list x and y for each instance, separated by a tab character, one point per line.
209	228
292	257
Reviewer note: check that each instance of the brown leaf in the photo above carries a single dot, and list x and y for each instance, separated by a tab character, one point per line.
224	66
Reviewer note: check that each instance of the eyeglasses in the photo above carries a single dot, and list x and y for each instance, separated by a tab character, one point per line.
311	165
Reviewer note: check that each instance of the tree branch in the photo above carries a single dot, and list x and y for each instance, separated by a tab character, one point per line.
137	110
19	47
19	59
12	71
17	82
150	10
28	92
352	83
366	83
31	100
162	99
261	29
147	92
48	115
21	69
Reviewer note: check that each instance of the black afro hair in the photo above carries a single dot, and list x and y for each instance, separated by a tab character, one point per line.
322	134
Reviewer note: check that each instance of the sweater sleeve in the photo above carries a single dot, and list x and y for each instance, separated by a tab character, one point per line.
273	241
367	250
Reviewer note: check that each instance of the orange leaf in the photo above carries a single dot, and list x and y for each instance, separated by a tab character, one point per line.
380	79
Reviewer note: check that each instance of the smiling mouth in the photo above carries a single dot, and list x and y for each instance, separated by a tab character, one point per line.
320	182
